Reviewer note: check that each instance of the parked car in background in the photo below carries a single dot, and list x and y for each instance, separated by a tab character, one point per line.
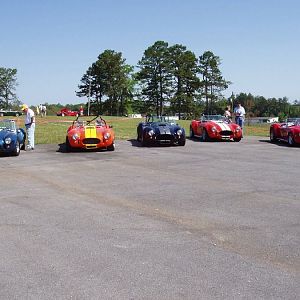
93	134
12	138
5	112
287	132
160	130
66	112
215	127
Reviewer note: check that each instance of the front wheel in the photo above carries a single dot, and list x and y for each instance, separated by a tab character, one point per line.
192	134
143	142
181	143
291	140
68	146
205	137
16	152
111	147
272	136
237	139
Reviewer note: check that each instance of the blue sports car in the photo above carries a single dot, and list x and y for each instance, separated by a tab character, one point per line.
12	138
160	130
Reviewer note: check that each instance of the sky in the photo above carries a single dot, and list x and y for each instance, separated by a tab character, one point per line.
52	43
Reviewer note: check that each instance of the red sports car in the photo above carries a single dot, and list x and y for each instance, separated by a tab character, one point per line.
66	112
215	127
93	134
288	132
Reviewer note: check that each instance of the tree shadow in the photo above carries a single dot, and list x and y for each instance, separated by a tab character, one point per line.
279	144
135	143
62	148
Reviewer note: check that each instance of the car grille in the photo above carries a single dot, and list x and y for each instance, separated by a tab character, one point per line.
164	138
226	132
88	141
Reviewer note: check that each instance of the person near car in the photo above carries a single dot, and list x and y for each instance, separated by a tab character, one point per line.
227	114
239	113
29	125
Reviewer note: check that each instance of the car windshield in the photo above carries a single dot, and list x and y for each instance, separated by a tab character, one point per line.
212	118
8	125
95	121
293	121
159	119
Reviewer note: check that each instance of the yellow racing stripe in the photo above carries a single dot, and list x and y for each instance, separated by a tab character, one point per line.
90	132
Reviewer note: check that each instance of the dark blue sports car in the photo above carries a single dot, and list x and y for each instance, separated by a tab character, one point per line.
12	138
160	130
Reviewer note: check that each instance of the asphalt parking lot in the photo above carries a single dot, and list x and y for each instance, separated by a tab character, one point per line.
204	221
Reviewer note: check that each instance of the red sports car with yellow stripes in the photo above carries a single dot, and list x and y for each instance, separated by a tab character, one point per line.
93	134
215	127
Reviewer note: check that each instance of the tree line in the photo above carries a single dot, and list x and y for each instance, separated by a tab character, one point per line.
168	79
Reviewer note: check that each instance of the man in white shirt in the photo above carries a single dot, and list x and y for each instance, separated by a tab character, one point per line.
239	112
30	126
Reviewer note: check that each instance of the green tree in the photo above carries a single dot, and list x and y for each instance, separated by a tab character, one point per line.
154	77
8	83
108	80
213	82
183	68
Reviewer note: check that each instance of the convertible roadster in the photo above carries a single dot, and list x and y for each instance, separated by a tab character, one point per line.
287	132
160	130
93	134
66	112
215	127
12	138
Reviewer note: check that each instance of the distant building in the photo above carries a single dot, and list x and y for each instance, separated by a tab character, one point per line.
134	116
261	120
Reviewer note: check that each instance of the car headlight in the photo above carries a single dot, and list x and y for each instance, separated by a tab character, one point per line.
213	129
75	137
7	140
106	135
179	132
151	132
238	129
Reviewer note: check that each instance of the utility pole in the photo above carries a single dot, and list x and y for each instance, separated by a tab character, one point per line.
89	98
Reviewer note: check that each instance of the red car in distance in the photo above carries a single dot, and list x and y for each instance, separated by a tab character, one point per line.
66	112
287	132
215	127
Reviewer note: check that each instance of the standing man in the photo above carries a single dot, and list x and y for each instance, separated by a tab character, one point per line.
239	112
30	126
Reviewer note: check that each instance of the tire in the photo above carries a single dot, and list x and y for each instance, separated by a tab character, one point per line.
192	134
17	150
23	146
1	114
17	114
291	140
237	140
111	147
272	136
143	142
68	146
62	114
205	137
181	143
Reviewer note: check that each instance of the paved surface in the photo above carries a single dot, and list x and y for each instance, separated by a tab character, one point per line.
204	221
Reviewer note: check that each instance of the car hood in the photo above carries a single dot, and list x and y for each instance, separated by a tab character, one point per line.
5	133
164	128
222	126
